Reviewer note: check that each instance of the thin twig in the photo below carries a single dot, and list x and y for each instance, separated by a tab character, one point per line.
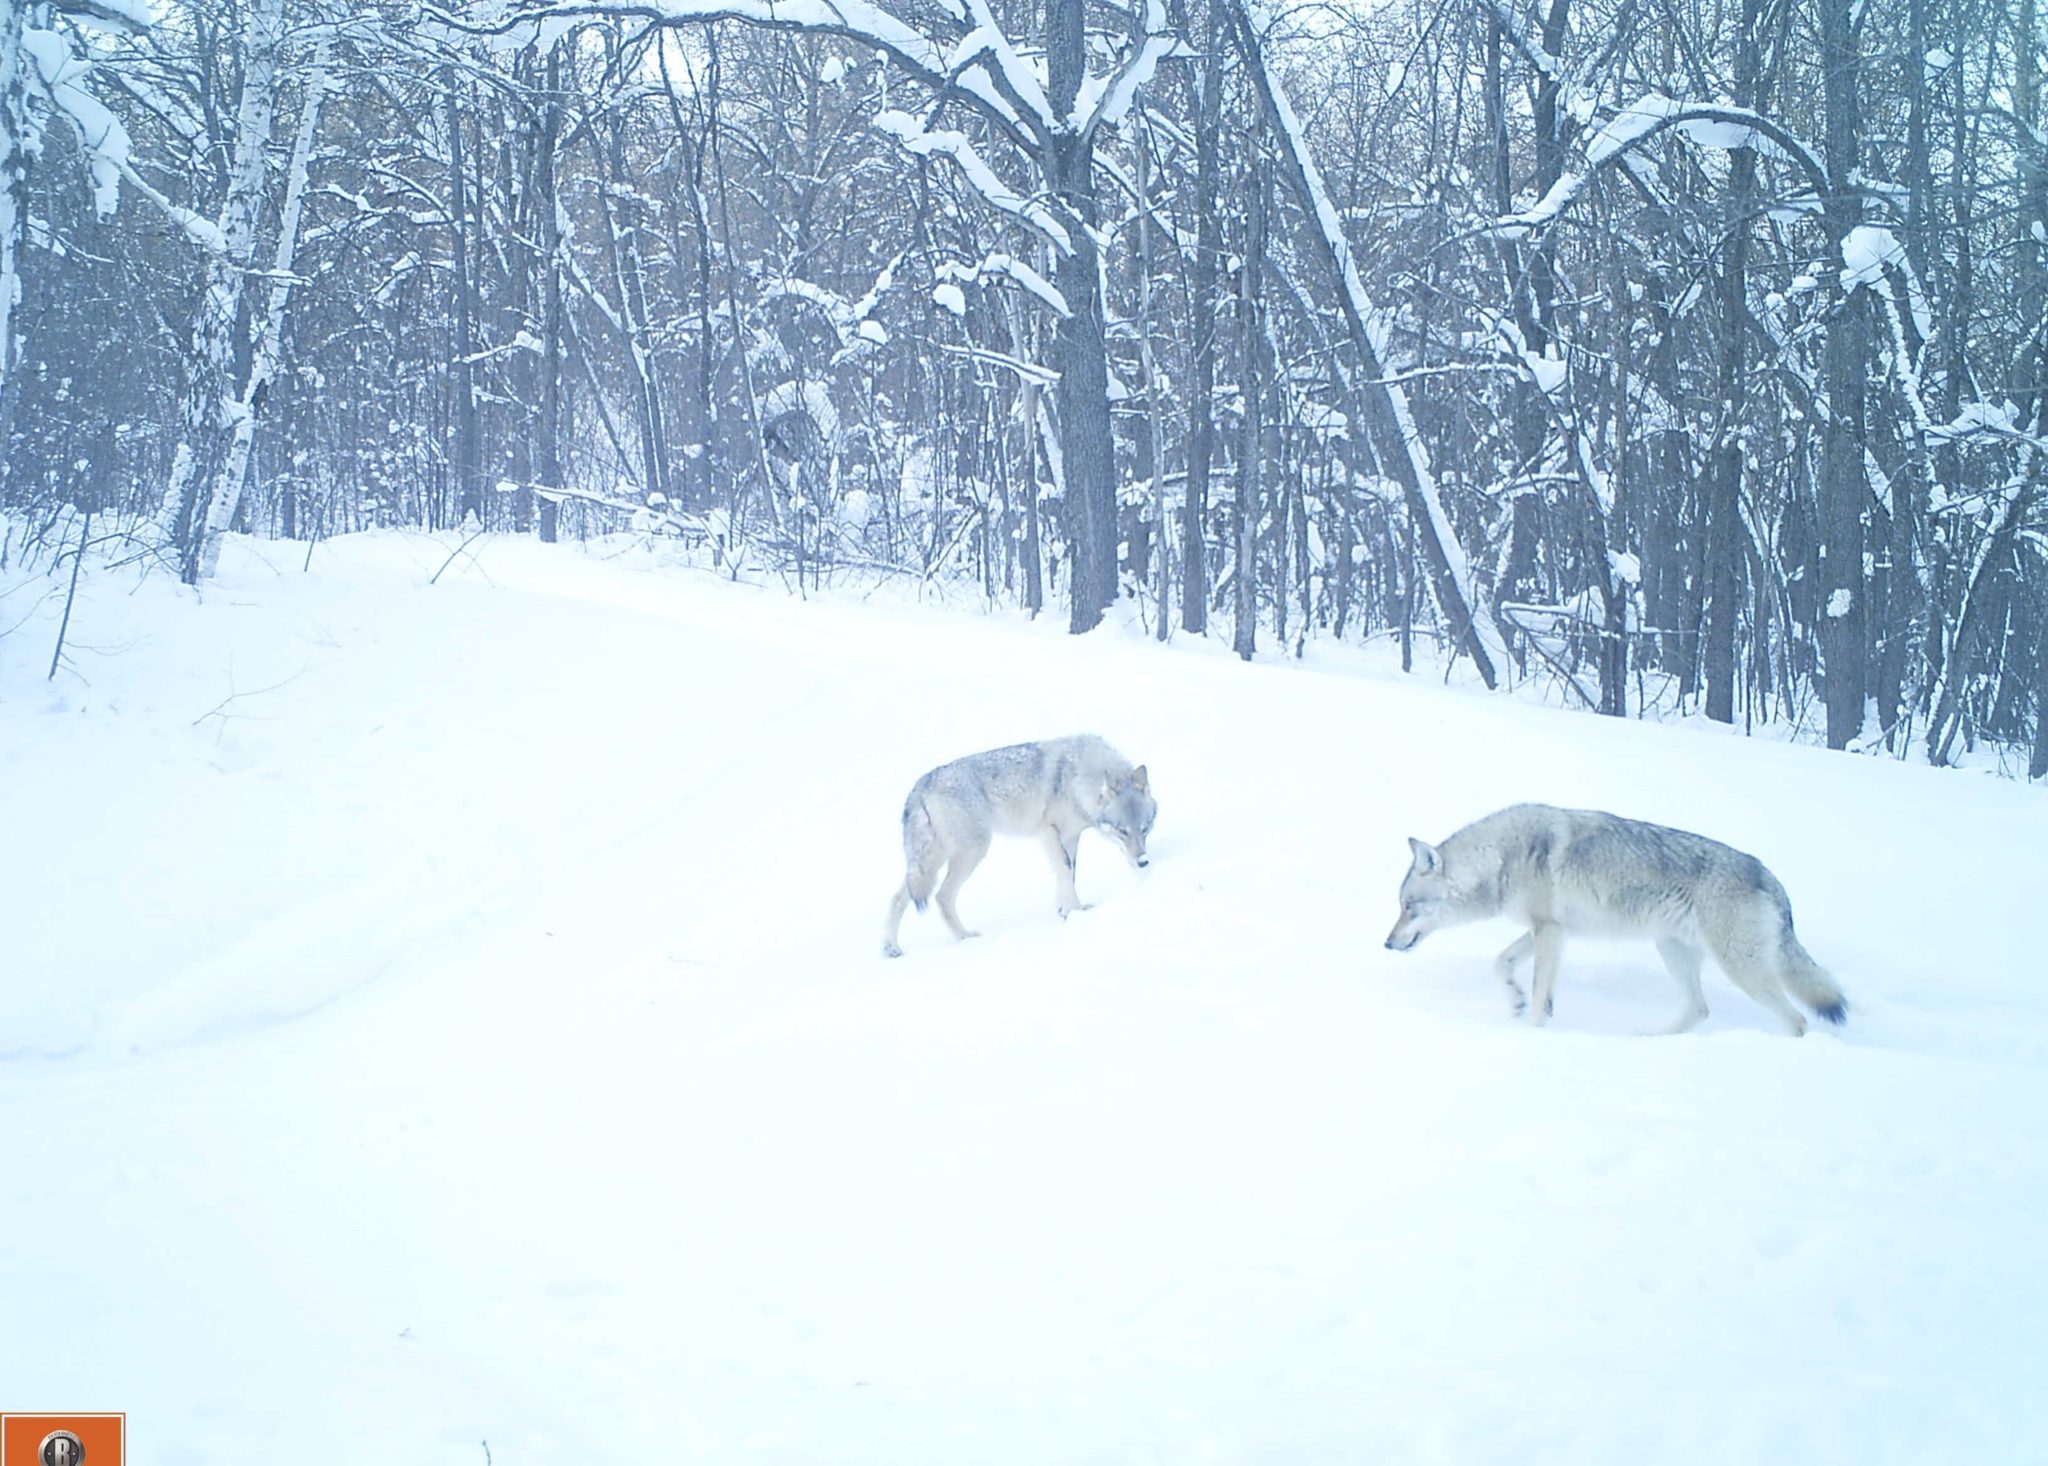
451	554
77	563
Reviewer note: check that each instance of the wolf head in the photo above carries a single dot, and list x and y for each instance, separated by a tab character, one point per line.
1428	901
1128	812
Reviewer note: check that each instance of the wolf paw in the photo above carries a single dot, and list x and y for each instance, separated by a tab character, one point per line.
890	949
1067	911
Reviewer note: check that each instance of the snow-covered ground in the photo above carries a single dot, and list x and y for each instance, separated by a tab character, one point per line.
444	1014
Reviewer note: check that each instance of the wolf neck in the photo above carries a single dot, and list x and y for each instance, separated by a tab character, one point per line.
1473	868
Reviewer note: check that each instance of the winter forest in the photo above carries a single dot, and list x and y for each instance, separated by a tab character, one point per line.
532	530
1680	357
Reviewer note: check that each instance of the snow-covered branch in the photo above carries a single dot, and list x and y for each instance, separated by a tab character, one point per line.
1711	124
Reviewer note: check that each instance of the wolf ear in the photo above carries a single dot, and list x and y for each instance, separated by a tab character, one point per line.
1427	859
1138	780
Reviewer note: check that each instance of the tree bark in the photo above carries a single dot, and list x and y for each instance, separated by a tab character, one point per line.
267	341
1843	488
547	446
466	449
1721	519
1251	327
1080	352
1202	307
218	331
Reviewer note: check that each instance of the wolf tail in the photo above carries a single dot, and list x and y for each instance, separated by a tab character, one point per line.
921	857
1809	982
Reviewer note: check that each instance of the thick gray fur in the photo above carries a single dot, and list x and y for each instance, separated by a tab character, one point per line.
1566	870
1053	789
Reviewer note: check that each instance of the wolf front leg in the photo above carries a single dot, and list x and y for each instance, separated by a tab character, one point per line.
1060	849
1547	938
1504	969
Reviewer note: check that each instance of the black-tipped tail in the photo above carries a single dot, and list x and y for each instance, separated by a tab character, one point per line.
1836	1012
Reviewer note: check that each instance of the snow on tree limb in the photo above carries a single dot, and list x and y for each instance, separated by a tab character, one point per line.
124	17
520	22
1108	98
99	131
956	145
1009	68
1711	124
1018	273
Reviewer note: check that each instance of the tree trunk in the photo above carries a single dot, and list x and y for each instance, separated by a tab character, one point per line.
1722	504
1155	433
267	341
14	160
1080	352
1251	327
466	449
547	446
1843	488
2037	765
218	339
621	218
1203	306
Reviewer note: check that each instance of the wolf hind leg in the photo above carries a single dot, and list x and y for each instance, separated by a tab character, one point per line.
1504	969
1750	963
958	868
893	927
1683	958
923	874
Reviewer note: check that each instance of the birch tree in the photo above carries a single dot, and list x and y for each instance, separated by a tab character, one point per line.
208	421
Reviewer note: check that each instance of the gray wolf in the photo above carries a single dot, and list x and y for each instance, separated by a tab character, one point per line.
1560	870
1054	789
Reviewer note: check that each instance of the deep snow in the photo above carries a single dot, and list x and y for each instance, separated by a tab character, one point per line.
439	1014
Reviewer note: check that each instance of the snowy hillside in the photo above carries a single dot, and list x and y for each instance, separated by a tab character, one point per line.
444	1014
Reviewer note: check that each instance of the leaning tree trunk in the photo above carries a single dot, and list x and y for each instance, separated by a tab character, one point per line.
1382	403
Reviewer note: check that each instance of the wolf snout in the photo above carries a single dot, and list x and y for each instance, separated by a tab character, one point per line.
1143	861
